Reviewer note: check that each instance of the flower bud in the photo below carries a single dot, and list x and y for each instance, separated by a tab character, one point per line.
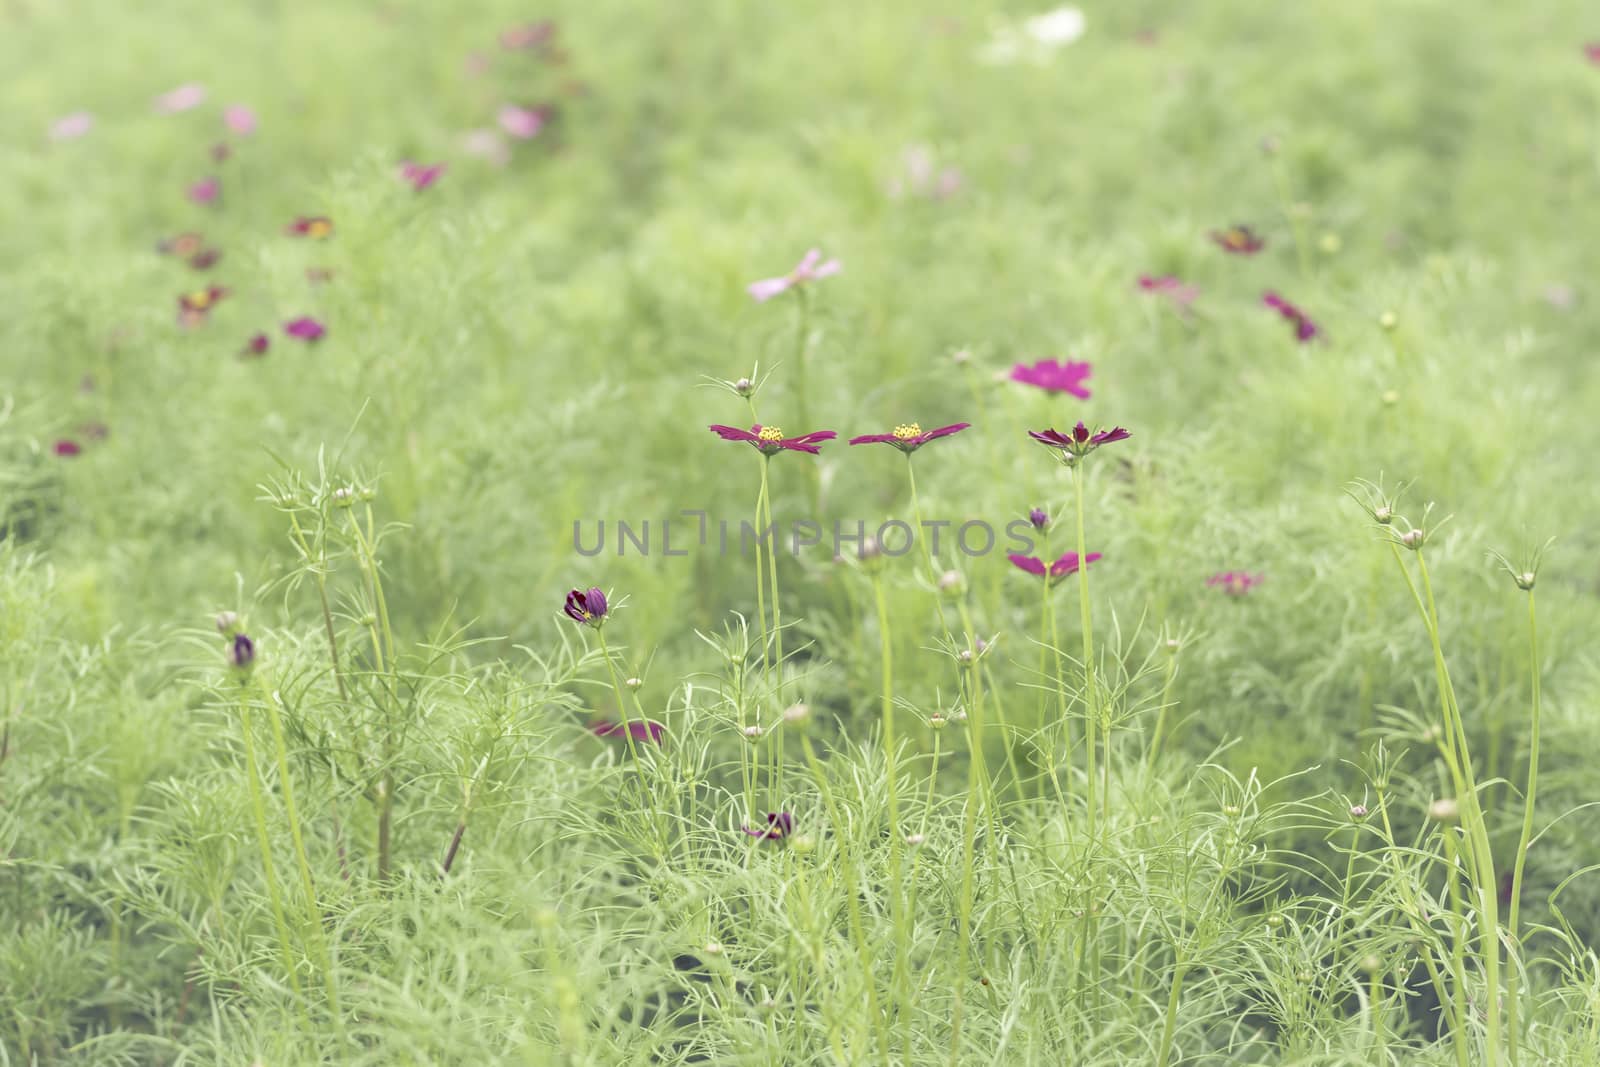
367	494
744	387
802	843
1038	518
937	721
1173	644
1444	810
1330	243
915	840
1384	514
1413	539
1230	809
634	684
241	652
752	733
227	623
797	714
965	657
1525	580
1370	963
1358	811
951	583
344	496
1391	397
1388	321
960	355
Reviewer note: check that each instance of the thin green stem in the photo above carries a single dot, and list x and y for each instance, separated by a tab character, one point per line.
258	805
1514	939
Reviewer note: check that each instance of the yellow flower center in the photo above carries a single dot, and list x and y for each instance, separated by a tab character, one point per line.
907	431
770	433
200	299
318	228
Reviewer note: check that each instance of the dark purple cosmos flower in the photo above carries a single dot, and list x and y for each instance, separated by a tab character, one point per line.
1080	440
205	191
910	436
305	328
241	652
420	176
1235	583
205	259
193	307
780	824
650	732
240	119
810	268
68	447
1061	568
183	98
1238	240
588	608
1038	518
1054	377
316	227
769	440
1180	294
534	35
1304	328
256	346
523	123
71	127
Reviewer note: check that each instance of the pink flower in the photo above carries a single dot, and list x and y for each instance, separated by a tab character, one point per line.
1080	440
649	732
1304	329
240	119
205	191
1061	568
67	447
71	127
1593	52
809	269
769	440
533	35
305	328
1054	377
523	123
1179	293
419	175
909	437
256	346
183	98
1235	583
487	145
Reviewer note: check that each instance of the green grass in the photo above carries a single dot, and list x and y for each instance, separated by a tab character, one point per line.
516	349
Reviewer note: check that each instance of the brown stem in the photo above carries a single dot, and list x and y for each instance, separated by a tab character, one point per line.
455	846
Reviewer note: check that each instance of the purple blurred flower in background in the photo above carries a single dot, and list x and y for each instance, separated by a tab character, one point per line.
205	191
419	176
305	328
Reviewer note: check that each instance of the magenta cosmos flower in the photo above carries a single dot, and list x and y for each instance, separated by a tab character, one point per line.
305	328
1235	583
1080	440
68	447
240	119
183	98
1304	328
1238	240
1054	377
910	436
205	191
769	440
420	176
256	346
650	732
71	127
780	824
316	227
587	607
1064	567
810	268
523	123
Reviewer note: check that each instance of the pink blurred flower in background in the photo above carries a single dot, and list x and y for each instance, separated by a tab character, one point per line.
1593	52
810	268
183	98
533	35
205	191
920	177
305	328
523	123
1055	377
419	176
1235	583
71	127
67	447
487	145
1179	293
240	119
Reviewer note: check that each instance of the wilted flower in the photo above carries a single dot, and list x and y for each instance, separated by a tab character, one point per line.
71	127
646	731
241	652
1304	328
523	123
769	440
588	608
419	176
910	436
1080	440
193	307
780	824
66	446
240	119
1235	583
810	268
316	227
205	191
183	98
1238	240
1061	568
305	328
1054	377
256	346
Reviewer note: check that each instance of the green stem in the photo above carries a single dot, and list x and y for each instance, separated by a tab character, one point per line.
902	991
1169	1027
1514	937
1091	695
259	806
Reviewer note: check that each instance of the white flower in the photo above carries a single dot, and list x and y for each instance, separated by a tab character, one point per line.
1036	38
